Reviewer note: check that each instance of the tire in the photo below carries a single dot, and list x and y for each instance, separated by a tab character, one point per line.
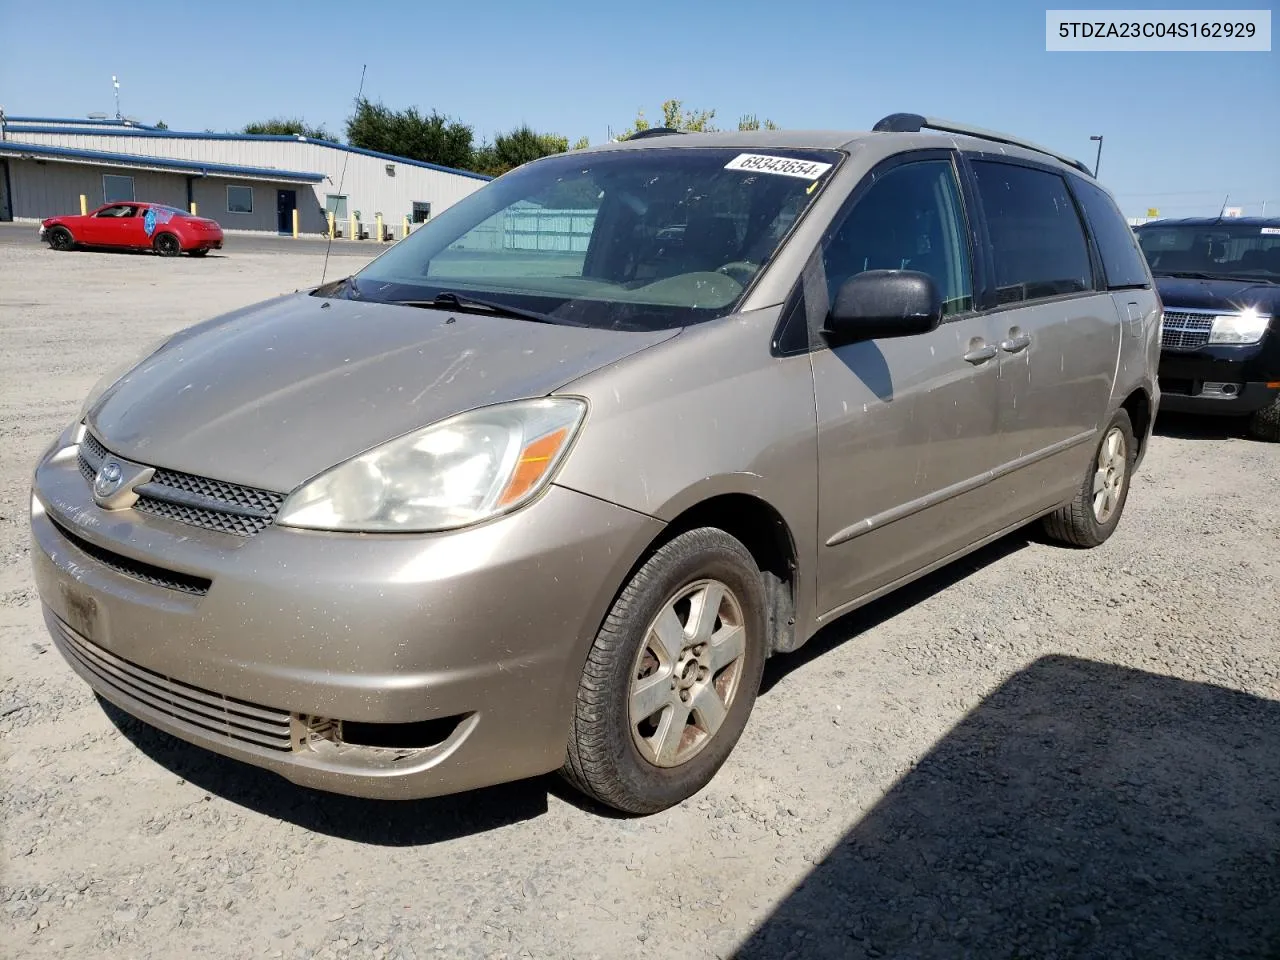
1265	423
60	238
167	245
200	253
639	764
1091	518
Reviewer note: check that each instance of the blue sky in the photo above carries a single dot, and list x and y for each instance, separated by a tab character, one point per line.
1182	129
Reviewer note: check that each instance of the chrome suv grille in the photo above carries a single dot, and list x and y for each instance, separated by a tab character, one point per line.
1184	330
234	720
200	501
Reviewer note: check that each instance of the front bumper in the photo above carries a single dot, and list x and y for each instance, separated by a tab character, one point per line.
1188	396
484	630
1243	371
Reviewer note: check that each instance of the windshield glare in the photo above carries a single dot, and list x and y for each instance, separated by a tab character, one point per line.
1219	250
630	239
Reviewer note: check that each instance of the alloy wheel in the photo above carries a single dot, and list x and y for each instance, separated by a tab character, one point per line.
687	673
1110	475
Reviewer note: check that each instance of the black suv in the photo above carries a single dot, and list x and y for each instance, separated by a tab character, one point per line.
1219	280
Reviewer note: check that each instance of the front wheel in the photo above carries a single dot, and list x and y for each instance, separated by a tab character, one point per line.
1265	424
1091	518
672	676
60	239
167	245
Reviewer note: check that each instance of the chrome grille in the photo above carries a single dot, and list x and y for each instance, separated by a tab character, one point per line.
1185	330
199	501
234	720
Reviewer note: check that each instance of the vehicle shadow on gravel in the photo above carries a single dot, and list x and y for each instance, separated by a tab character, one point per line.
388	823
891	605
1082	810
1186	426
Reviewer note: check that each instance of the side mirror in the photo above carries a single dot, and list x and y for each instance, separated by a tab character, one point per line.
884	303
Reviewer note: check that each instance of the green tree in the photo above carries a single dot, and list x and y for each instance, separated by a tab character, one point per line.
431	138
750	121
520	146
675	116
161	125
288	126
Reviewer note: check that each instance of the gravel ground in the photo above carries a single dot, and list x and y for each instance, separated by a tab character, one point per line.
1036	753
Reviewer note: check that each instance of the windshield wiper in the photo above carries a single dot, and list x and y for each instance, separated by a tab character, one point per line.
1237	277
335	289
448	300
1192	275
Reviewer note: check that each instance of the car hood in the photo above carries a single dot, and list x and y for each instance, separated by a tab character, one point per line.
272	395
1227	295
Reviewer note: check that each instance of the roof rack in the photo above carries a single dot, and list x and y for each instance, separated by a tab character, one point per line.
914	123
654	132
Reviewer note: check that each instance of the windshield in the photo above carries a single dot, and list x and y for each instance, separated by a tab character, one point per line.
629	239
1229	251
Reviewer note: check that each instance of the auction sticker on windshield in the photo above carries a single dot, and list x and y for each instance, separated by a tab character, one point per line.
786	166
1271	231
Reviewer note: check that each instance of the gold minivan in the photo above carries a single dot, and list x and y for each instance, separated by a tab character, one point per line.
542	486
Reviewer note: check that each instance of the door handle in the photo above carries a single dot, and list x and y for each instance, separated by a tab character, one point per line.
1015	344
981	353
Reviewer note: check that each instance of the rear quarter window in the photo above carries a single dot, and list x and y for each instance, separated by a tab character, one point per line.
1037	240
1122	260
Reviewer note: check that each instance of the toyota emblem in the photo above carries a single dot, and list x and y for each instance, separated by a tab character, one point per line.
108	480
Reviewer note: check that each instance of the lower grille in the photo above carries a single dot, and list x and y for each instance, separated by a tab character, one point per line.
137	569
1184	330
212	713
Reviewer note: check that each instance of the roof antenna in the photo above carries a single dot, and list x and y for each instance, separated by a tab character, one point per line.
342	178
1223	212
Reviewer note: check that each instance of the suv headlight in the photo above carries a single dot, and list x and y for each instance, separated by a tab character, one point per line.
1240	328
457	472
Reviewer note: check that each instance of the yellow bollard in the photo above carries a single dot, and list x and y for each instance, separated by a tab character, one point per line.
352	225
330	224
295	223
194	212
406	228
84	205
378	219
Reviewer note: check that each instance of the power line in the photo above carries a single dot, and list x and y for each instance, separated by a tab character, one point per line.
1175	193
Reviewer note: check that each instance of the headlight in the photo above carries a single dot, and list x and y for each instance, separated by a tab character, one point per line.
454	473
116	374
1246	327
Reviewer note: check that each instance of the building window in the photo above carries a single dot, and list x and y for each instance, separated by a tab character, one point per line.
421	211
336	203
116	188
239	199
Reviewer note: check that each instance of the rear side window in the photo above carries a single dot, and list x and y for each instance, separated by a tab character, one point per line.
1121	258
1037	240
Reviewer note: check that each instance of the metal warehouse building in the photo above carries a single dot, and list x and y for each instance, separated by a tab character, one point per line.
245	182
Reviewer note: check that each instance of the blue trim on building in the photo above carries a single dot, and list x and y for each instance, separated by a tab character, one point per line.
79	121
19	149
17	125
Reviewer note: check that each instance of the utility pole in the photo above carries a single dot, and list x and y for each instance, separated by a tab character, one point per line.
116	83
1098	160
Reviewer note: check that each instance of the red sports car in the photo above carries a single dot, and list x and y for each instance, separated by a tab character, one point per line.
139	226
